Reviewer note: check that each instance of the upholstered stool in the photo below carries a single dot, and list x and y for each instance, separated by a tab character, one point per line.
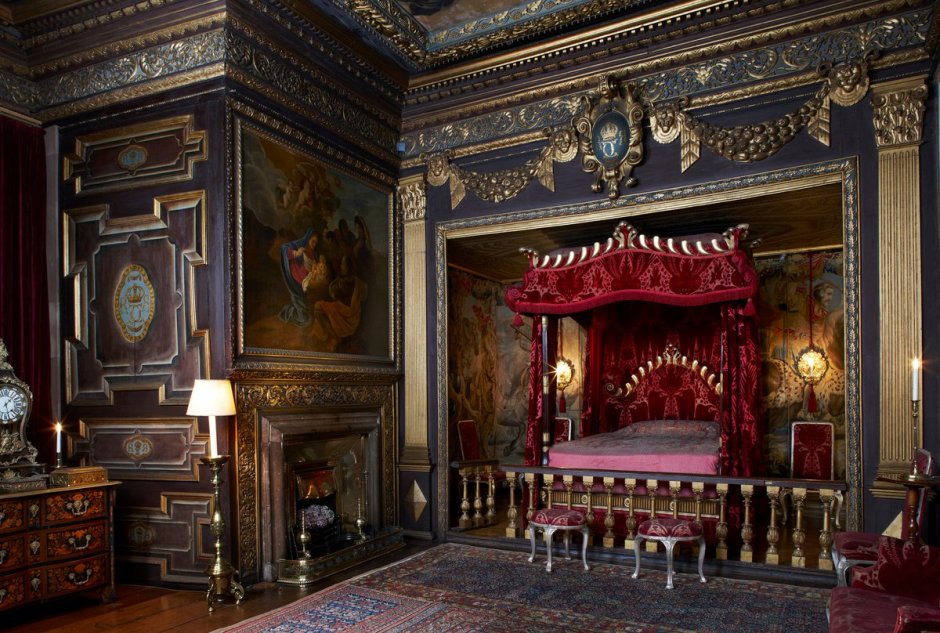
669	532
553	519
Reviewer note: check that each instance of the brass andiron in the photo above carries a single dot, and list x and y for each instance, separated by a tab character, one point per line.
223	586
303	537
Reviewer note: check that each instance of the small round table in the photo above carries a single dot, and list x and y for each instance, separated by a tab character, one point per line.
669	532
914	482
550	520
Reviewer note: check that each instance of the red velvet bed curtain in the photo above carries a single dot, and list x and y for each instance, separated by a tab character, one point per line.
741	414
533	437
24	308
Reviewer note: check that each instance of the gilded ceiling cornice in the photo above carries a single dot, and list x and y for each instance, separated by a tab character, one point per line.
129	45
302	20
738	71
250	44
63	24
536	60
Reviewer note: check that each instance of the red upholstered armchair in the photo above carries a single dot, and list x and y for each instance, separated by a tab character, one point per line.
861	548
900	592
471	449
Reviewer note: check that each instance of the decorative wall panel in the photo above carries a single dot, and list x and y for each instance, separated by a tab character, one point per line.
154	450
99	249
136	155
175	537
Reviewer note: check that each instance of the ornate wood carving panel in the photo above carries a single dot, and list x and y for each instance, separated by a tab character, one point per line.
175	537
136	155
153	450
130	290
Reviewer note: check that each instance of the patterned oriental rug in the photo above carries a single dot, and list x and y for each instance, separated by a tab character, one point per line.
457	588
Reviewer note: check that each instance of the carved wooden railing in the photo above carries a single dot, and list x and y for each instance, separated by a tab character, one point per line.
761	520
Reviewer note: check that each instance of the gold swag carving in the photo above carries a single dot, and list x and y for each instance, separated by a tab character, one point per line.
502	185
845	83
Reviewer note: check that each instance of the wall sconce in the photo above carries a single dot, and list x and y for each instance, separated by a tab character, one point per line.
564	373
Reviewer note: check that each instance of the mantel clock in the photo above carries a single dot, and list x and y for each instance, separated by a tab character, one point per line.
18	467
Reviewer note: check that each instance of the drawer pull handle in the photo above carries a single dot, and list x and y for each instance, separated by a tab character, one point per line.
34	547
3	594
76	580
78	508
77	544
3	556
34	511
3	517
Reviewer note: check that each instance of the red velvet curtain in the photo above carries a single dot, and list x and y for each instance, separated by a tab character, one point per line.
533	437
24	309
622	337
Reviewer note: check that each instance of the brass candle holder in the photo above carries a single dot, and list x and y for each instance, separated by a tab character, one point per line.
224	588
915	414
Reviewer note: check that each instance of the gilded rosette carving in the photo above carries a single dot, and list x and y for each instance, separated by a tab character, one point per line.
610	135
899	116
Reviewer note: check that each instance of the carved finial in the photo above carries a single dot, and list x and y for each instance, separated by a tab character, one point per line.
3	356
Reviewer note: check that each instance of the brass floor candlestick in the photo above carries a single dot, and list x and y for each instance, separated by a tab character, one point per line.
915	413
223	586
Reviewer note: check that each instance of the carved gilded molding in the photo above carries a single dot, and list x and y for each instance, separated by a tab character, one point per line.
505	184
730	68
663	201
253	398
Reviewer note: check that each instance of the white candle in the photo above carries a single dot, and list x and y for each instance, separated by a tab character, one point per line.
213	438
915	379
58	438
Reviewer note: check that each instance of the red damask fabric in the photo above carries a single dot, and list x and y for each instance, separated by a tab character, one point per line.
561	517
903	568
666	528
533	436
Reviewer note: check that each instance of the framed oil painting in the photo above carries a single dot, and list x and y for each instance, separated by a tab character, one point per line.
315	257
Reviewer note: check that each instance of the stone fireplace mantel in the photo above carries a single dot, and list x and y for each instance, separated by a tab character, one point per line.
268	415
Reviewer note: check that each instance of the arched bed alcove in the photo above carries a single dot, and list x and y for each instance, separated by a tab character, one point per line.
791	213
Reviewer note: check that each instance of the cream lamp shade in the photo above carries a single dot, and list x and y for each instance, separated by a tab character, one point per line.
212	398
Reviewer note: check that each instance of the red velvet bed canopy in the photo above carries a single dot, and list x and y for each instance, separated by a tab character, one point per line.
658	314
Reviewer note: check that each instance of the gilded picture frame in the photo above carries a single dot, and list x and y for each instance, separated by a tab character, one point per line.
315	244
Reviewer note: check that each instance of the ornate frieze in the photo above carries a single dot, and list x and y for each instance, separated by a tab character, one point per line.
735	68
501	185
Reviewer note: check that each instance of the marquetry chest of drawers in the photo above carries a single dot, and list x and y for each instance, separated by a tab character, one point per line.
56	542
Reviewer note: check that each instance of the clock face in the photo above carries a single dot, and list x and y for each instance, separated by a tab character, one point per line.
13	403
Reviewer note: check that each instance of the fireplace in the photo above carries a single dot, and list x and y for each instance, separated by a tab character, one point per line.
314	460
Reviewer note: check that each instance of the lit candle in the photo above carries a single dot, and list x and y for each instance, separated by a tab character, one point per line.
58	438
213	438
915	379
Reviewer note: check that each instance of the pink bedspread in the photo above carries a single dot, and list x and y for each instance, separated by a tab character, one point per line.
663	446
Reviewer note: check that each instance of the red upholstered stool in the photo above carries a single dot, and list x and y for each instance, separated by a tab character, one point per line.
669	532
553	519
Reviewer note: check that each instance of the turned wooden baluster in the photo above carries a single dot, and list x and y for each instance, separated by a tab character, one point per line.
698	488
609	516
674	489
512	530
747	530
589	502
465	521
530	481
477	500
773	532
568	482
490	496
549	488
826	497
630	485
652	487
721	531
799	534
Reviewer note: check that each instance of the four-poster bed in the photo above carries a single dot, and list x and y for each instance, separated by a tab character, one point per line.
671	378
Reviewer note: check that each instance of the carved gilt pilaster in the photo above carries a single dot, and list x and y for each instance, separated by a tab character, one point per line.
413	200
898	117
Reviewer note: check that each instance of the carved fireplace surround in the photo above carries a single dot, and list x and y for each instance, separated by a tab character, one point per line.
269	416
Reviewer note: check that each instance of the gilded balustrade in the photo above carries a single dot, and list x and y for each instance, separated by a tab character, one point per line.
752	510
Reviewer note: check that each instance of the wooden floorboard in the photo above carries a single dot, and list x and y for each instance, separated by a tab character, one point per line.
139	609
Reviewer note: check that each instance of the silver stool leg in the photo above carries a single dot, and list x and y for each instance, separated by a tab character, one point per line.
549	535
636	555
701	558
584	543
567	536
670	545
532	538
